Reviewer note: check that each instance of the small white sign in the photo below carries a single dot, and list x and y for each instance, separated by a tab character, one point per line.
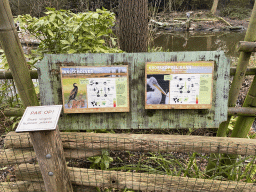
40	118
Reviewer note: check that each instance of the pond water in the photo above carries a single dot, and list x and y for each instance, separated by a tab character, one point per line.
200	41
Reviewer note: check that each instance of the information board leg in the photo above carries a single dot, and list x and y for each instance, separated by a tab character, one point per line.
51	159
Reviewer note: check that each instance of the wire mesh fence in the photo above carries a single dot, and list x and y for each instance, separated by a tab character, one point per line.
135	162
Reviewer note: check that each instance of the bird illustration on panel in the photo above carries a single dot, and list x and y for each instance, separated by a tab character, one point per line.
73	93
154	97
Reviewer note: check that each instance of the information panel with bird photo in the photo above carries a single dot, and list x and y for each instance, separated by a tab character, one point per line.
95	89
179	85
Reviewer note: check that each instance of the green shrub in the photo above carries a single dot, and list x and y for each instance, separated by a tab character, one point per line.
62	31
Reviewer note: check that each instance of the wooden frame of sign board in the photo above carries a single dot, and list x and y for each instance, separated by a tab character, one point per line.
138	117
179	85
95	89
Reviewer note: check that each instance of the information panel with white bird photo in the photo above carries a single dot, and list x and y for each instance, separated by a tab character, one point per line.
95	89
179	85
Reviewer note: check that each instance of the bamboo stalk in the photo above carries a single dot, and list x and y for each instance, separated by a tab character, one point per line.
249	71
238	79
8	74
242	111
243	124
34	74
246	46
10	43
237	111
142	142
240	72
137	181
223	20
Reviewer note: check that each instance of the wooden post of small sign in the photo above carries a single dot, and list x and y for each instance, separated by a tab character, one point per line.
41	123
51	159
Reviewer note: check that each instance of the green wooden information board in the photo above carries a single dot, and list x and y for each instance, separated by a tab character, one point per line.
138	117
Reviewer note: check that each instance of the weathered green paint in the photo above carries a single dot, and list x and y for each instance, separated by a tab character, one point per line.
138	117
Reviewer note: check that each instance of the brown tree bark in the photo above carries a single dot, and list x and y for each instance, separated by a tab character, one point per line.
133	25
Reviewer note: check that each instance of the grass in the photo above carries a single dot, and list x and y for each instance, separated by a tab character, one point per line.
192	165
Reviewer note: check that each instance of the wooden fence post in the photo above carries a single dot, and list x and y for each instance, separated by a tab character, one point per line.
47	144
51	159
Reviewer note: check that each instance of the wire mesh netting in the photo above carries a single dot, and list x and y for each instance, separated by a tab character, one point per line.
135	162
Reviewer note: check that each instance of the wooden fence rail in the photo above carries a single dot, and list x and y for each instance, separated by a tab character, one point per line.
34	74
19	186
18	150
27	155
121	180
8	74
232	111
92	142
135	181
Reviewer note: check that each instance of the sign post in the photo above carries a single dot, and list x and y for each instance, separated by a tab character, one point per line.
41	123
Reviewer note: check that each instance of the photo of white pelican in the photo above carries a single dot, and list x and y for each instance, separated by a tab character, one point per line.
155	89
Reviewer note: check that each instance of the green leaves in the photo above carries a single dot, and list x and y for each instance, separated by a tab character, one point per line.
101	162
62	31
71	51
64	42
50	32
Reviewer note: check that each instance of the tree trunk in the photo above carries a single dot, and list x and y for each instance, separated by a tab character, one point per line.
133	25
214	6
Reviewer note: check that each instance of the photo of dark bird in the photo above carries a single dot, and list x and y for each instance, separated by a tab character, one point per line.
73	93
154	97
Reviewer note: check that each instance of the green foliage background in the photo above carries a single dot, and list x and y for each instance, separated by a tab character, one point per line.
62	31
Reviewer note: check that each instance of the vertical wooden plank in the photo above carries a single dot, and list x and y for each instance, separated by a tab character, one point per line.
46	91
